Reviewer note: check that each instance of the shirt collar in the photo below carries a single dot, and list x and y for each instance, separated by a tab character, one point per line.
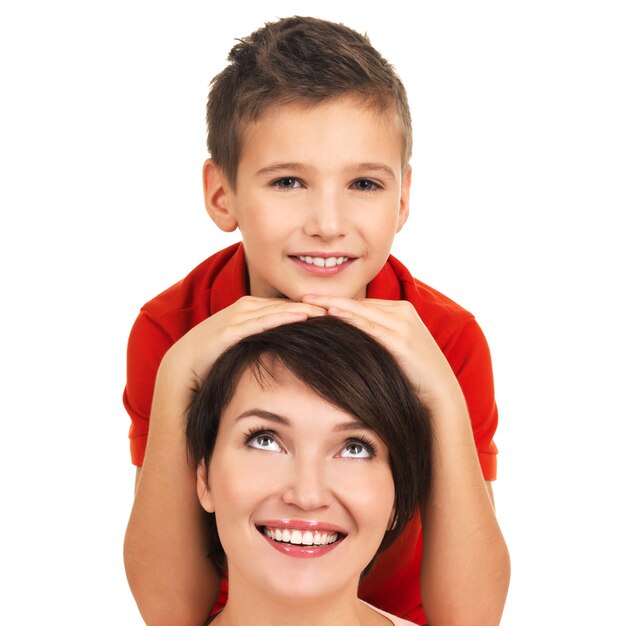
386	284
231	281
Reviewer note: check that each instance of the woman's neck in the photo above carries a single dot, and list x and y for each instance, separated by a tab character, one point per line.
249	606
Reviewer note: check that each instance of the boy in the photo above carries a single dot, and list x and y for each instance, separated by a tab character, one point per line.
310	140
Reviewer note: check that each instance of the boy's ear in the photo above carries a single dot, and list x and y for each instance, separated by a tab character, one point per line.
403	214
217	197
204	488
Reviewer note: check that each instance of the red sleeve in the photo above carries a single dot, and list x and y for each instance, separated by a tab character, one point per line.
147	344
469	356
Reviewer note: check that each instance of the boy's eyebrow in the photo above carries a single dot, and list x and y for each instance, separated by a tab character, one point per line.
279	419
354	167
277	167
376	167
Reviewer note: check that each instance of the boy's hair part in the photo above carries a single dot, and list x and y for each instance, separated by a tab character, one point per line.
347	368
301	60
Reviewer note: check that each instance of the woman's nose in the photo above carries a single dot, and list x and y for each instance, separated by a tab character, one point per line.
307	486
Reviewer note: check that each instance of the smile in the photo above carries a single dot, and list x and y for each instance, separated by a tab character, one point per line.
301	538
319	261
307	541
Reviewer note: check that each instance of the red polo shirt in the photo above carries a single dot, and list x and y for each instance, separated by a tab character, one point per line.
218	282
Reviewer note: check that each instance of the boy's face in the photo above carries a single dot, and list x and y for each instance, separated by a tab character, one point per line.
319	198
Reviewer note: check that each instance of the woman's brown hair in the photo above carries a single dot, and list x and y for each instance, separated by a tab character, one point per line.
347	368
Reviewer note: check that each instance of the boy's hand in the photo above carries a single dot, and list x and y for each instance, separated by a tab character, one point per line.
465	560
166	544
194	353
399	328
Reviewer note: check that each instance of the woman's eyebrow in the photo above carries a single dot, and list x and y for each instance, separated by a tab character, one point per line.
352	425
268	415
279	419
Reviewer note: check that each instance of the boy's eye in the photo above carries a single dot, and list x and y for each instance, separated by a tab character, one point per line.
365	184
263	441
287	182
356	450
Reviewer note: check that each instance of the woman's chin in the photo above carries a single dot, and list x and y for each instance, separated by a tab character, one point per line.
297	587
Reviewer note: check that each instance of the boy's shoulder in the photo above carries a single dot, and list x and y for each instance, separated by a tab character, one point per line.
214	284
441	314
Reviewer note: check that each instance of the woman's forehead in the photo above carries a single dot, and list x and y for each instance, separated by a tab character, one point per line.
273	382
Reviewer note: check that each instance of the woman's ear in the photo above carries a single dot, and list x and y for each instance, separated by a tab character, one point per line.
204	488
217	197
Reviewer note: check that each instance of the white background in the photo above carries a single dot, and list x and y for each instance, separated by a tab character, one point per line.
517	205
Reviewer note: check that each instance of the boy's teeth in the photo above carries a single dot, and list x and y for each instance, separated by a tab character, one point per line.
323	262
301	538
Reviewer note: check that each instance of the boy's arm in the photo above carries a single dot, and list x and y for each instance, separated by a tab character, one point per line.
165	550
465	562
165	546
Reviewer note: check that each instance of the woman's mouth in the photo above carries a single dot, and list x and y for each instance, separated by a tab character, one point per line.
299	537
302	543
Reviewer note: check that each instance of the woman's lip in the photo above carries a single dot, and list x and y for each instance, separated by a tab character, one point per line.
296	524
301	551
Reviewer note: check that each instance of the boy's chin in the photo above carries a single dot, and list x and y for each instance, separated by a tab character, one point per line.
297	293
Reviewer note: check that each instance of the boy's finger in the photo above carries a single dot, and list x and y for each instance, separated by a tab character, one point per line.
265	322
373	311
348	303
266	306
362	322
259	319
311	310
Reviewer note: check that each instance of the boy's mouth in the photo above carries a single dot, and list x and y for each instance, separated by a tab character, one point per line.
319	261
323	265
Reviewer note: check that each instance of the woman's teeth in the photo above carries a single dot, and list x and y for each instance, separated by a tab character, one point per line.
323	262
301	538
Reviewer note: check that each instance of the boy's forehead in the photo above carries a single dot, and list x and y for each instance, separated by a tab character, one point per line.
301	109
295	118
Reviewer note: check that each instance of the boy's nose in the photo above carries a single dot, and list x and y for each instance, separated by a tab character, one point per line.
326	217
306	486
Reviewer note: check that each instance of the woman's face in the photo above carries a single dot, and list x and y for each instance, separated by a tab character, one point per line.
302	491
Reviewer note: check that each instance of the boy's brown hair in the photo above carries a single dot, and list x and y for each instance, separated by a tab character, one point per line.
301	60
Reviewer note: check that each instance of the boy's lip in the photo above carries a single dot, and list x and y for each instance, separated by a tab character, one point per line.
323	264
323	255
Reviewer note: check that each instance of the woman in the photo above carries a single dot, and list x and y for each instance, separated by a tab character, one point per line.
313	453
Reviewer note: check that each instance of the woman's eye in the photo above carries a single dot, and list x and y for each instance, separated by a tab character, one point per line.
356	450
264	441
365	184
287	182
